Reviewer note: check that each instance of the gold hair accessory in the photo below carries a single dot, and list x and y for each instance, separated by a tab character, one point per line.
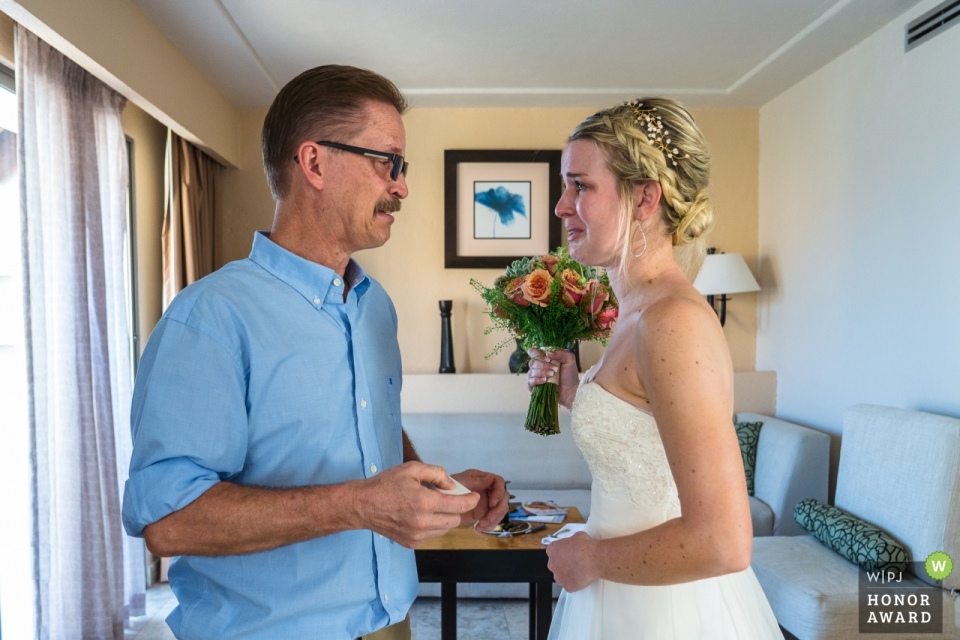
652	126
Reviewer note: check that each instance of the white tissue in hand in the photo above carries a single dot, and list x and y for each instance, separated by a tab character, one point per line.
569	530
458	490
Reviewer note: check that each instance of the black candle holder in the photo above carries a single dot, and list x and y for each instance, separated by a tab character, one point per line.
446	338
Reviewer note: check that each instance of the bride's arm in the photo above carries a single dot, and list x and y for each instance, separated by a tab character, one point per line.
685	368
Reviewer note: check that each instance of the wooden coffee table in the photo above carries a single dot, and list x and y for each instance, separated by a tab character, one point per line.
463	555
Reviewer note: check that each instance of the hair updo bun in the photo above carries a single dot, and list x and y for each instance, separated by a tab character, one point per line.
657	139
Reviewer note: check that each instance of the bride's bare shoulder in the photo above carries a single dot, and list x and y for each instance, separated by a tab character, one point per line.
678	312
678	329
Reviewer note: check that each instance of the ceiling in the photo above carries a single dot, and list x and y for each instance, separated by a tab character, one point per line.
453	53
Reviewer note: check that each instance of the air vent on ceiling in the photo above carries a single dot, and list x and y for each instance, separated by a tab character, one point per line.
932	23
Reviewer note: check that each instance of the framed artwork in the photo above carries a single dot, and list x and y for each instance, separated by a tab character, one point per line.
499	206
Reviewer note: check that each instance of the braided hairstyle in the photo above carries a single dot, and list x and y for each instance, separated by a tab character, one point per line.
634	155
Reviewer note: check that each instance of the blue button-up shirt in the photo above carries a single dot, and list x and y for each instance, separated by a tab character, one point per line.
261	374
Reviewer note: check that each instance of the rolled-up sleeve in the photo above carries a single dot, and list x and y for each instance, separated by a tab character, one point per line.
189	422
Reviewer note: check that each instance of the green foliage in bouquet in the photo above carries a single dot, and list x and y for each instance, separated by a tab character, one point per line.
548	302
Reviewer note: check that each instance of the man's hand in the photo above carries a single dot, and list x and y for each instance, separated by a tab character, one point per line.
572	561
395	504
494	499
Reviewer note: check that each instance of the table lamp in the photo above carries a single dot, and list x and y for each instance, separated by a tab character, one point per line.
721	274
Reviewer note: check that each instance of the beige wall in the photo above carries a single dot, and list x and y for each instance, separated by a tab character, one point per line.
734	137
118	43
149	145
410	266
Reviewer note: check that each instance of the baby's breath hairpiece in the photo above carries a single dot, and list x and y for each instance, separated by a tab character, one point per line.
652	126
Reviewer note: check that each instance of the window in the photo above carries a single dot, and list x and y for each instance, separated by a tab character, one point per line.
16	591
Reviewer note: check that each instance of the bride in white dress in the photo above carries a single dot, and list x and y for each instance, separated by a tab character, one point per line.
666	553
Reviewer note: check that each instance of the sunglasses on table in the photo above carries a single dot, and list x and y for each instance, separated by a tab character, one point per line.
400	165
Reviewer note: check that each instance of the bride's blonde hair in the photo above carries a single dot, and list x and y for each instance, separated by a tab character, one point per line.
657	139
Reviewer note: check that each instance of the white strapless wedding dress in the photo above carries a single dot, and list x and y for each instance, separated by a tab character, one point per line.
633	490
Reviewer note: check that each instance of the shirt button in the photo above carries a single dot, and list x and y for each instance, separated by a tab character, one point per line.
373	469
316	301
381	536
363	403
336	282
386	597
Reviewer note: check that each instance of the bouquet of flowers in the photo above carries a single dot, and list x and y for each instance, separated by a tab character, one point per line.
548	302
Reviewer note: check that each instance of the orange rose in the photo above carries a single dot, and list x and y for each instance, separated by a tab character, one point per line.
550	263
595	294
536	287
514	291
572	291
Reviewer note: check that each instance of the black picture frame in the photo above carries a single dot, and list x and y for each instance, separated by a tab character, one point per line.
451	159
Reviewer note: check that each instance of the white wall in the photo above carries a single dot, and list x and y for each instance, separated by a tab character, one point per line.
860	232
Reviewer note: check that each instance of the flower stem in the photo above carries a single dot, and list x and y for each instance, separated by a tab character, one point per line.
543	416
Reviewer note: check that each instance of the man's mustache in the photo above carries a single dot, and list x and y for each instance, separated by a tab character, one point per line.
390	205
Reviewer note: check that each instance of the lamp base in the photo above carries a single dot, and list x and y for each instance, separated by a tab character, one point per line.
722	312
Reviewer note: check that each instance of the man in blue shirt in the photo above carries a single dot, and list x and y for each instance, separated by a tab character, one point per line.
268	450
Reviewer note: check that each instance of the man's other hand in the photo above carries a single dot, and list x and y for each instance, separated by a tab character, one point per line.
396	505
494	499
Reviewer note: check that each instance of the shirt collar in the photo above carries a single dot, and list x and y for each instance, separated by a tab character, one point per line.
315	282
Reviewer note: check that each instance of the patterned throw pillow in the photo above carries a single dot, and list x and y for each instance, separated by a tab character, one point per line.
866	545
748	433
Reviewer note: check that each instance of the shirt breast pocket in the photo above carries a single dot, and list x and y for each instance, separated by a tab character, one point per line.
393	397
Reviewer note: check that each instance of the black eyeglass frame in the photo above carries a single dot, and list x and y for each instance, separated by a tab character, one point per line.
399	164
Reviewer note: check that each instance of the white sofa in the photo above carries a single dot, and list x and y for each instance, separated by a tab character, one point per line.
899	470
463	421
793	464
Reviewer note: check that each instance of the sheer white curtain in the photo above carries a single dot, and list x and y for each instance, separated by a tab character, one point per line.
73	180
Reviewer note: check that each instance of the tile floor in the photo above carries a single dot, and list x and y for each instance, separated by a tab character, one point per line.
476	619
160	602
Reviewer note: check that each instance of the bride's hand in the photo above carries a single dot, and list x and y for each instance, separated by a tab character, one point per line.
544	364
573	561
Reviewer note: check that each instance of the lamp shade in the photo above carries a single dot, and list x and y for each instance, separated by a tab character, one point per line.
725	273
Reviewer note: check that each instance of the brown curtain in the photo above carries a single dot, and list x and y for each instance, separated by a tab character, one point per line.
191	187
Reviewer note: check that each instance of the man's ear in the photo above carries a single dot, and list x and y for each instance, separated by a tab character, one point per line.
646	199
311	164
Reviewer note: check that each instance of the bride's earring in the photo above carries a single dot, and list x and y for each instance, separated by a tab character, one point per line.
640	228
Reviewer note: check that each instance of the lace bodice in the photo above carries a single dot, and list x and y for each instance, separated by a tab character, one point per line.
622	445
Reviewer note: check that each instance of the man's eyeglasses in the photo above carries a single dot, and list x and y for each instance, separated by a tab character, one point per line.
400	166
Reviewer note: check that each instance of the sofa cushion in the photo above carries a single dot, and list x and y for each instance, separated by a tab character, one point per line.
865	545
748	435
900	470
762	517
814	592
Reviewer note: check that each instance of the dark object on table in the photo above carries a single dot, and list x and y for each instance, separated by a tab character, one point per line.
446	338
511	528
519	360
